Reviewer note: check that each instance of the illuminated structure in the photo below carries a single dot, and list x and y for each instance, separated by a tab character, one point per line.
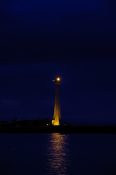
57	112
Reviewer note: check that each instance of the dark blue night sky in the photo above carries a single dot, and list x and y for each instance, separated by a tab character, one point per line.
76	39
88	93
55	29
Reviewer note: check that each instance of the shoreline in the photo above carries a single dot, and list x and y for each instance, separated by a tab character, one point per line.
60	129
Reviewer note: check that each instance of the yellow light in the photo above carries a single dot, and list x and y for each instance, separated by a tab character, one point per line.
58	79
55	122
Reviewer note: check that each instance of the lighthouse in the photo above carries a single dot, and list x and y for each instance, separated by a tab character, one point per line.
57	110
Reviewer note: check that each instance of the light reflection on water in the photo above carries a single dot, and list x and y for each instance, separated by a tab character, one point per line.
58	160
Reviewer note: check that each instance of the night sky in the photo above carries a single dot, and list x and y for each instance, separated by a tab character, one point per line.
75	39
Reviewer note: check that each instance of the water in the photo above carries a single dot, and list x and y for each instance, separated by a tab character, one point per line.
57	154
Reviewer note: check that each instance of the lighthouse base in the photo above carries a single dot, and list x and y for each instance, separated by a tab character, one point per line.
55	122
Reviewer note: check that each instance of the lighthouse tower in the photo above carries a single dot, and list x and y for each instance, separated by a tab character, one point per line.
57	110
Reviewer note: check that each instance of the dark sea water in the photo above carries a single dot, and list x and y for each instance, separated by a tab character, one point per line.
58	154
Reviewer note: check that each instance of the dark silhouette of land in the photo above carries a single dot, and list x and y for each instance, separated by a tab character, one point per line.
45	126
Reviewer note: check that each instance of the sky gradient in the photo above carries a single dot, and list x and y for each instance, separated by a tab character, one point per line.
40	39
42	29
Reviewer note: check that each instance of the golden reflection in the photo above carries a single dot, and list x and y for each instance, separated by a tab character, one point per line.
58	154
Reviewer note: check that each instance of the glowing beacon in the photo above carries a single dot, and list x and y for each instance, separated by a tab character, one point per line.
57	111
